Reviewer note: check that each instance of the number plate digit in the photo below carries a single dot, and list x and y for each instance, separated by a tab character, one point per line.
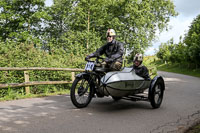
89	66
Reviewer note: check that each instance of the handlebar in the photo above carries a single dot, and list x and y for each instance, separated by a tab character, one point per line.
97	59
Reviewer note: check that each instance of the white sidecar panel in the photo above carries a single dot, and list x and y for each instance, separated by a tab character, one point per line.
123	83
127	69
126	75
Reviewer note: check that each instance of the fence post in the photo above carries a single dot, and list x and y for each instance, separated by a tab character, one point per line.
73	76
26	77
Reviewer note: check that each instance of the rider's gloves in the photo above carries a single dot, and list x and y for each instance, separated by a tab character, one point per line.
108	60
89	56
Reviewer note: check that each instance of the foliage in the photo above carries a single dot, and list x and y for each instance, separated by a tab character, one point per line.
194	129
165	51
135	22
154	61
149	62
192	41
187	50
179	68
26	55
21	19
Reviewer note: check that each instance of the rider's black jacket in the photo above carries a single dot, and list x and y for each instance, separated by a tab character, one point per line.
142	71
113	50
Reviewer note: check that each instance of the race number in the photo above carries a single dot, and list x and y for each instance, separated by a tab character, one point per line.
89	66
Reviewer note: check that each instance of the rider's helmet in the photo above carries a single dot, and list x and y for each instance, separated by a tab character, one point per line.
110	32
138	57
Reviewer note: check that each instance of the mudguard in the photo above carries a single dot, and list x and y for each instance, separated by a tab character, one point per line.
86	76
83	74
91	82
154	80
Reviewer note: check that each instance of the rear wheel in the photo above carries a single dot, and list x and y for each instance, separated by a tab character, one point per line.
156	94
81	92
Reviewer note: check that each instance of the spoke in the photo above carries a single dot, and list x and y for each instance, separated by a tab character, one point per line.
157	93
82	82
80	99
87	93
157	98
157	90
84	94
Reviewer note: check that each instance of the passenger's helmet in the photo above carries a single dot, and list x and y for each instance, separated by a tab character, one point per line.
138	57
110	32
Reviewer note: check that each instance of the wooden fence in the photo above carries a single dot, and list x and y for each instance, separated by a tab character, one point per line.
28	83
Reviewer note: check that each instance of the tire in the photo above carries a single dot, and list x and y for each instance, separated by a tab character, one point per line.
81	92
156	93
116	98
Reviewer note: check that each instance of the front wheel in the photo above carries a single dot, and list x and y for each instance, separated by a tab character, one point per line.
81	92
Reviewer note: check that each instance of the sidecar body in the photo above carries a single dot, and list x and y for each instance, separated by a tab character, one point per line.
123	83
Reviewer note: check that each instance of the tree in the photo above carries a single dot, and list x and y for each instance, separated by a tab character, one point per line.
88	18
192	40
58	22
83	23
138	20
164	52
21	19
134	20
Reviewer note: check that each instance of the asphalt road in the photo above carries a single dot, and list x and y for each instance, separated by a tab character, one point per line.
56	114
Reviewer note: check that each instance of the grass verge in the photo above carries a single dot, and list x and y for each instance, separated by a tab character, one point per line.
177	68
194	129
172	67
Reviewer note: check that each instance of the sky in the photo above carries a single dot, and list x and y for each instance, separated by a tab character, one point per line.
179	25
188	10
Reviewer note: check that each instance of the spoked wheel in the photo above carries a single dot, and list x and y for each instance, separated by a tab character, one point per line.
81	92
156	93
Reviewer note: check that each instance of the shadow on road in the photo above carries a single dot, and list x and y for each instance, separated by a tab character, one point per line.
18	114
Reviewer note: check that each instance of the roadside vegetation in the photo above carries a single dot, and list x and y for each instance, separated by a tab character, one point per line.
170	67
180	68
184	56
194	129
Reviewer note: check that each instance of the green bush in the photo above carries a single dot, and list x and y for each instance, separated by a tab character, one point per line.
13	54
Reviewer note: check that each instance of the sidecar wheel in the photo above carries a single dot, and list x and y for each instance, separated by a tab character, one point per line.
156	93
81	92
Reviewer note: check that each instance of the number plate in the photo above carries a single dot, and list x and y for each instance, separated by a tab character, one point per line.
89	66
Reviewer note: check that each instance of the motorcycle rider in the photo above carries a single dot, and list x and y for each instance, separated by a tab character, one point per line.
113	50
139	68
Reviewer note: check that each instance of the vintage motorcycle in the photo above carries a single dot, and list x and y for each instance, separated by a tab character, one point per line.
99	81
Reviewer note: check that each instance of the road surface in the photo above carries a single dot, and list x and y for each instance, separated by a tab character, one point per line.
56	114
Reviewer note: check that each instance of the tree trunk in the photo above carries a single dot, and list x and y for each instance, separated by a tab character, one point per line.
87	46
